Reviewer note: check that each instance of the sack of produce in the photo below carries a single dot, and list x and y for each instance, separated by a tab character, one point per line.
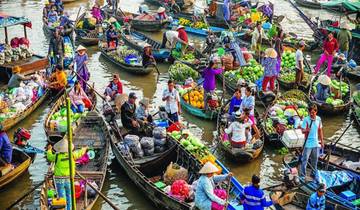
159	133
149	152
137	150
175	172
228	61
180	188
160	142
159	149
131	140
147	142
221	193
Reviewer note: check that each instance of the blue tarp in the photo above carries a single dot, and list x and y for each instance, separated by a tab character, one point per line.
334	178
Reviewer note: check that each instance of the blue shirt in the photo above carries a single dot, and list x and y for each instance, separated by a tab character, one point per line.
204	194
254	199
234	104
111	35
322	92
248	102
269	66
315	202
5	147
313	136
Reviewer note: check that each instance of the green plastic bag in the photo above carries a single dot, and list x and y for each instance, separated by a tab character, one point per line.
221	51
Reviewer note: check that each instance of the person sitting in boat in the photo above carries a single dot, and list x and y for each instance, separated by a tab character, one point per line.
204	193
248	103
235	102
239	130
5	149
209	74
142	112
114	89
161	14
62	167
112	37
57	48
323	88
96	13
79	99
147	56
52	15
128	117
269	64
81	60
253	197
174	7
317	199
17	77
58	80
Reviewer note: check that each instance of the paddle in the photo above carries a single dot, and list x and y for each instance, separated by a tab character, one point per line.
77	16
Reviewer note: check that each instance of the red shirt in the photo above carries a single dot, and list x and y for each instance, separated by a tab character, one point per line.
331	46
183	35
118	86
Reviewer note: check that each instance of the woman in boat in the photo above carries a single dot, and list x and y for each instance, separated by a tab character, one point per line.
269	64
253	197
161	14
248	103
52	16
58	80
5	149
96	13
235	102
279	48
147	56
79	99
114	89
323	88
182	35
209	74
204	193
81	60
62	168
17	77
111	37
330	46
142	112
317	199
240	131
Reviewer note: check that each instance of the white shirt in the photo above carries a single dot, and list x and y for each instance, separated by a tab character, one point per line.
237	130
171	36
299	57
172	102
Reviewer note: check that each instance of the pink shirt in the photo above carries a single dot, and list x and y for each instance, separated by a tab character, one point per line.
77	98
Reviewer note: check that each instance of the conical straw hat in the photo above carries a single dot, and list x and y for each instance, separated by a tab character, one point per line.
62	146
208	168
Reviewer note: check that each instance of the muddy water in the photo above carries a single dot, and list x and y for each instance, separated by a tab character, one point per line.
118	186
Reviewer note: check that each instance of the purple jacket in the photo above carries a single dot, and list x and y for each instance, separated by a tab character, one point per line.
209	78
5	147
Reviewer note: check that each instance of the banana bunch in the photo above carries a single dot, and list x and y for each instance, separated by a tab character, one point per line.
200	25
184	22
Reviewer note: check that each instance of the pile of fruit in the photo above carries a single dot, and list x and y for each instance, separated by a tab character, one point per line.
180	188
122	53
194	97
58	120
250	73
356	97
68	50
288	60
343	89
184	22
189	23
186	57
289	76
179	72
287	112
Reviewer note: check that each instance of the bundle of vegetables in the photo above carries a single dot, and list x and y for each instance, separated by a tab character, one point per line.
194	97
187	57
341	87
287	112
123	55
250	73
179	72
58	120
356	97
68	50
288	60
289	76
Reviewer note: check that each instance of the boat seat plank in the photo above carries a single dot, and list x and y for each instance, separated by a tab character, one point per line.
146	159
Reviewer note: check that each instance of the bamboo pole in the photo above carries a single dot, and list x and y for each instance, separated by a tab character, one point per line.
72	173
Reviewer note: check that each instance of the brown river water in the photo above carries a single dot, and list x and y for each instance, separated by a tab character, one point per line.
118	187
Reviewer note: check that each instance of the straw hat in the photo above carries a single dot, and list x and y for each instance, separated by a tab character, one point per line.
345	26
144	101
208	168
62	146
324	80
270	52
80	47
112	20
238	114
88	15
161	9
179	27
147	45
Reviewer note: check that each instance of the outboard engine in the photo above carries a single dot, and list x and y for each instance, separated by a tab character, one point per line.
291	178
108	112
21	137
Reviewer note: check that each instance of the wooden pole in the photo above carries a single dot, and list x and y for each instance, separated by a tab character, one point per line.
6	36
72	173
25	33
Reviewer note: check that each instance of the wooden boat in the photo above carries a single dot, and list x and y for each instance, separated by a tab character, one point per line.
54	136
137	40
270	134
21	162
333	192
137	69
86	37
329	108
146	179
309	4
212	21
241	155
268	97
92	132
208	115
200	31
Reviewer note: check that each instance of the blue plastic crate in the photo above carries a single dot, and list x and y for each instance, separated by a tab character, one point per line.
348	195
161	123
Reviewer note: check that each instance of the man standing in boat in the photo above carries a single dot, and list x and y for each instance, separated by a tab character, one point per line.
172	98
314	139
128	117
57	48
299	58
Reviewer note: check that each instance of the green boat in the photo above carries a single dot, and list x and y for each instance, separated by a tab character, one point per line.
201	113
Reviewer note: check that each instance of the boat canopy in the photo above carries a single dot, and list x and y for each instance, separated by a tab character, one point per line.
346	5
7	20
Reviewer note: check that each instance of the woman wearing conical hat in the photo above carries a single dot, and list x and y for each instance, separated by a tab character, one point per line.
81	60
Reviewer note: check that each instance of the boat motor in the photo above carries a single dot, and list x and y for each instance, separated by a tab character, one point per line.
21	137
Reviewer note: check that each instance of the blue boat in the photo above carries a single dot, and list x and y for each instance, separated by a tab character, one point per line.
196	31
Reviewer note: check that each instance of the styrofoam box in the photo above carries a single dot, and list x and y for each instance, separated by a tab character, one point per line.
293	138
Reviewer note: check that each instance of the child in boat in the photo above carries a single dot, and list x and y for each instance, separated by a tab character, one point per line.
79	99
5	149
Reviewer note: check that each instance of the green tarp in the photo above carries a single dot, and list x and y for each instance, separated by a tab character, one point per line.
349	6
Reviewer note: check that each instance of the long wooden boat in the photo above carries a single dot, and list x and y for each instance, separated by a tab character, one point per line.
333	192
54	136
212	21
329	108
133	69
86	37
200	31
201	113
92	132
241	155
137	40
145	179
270	135
21	162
